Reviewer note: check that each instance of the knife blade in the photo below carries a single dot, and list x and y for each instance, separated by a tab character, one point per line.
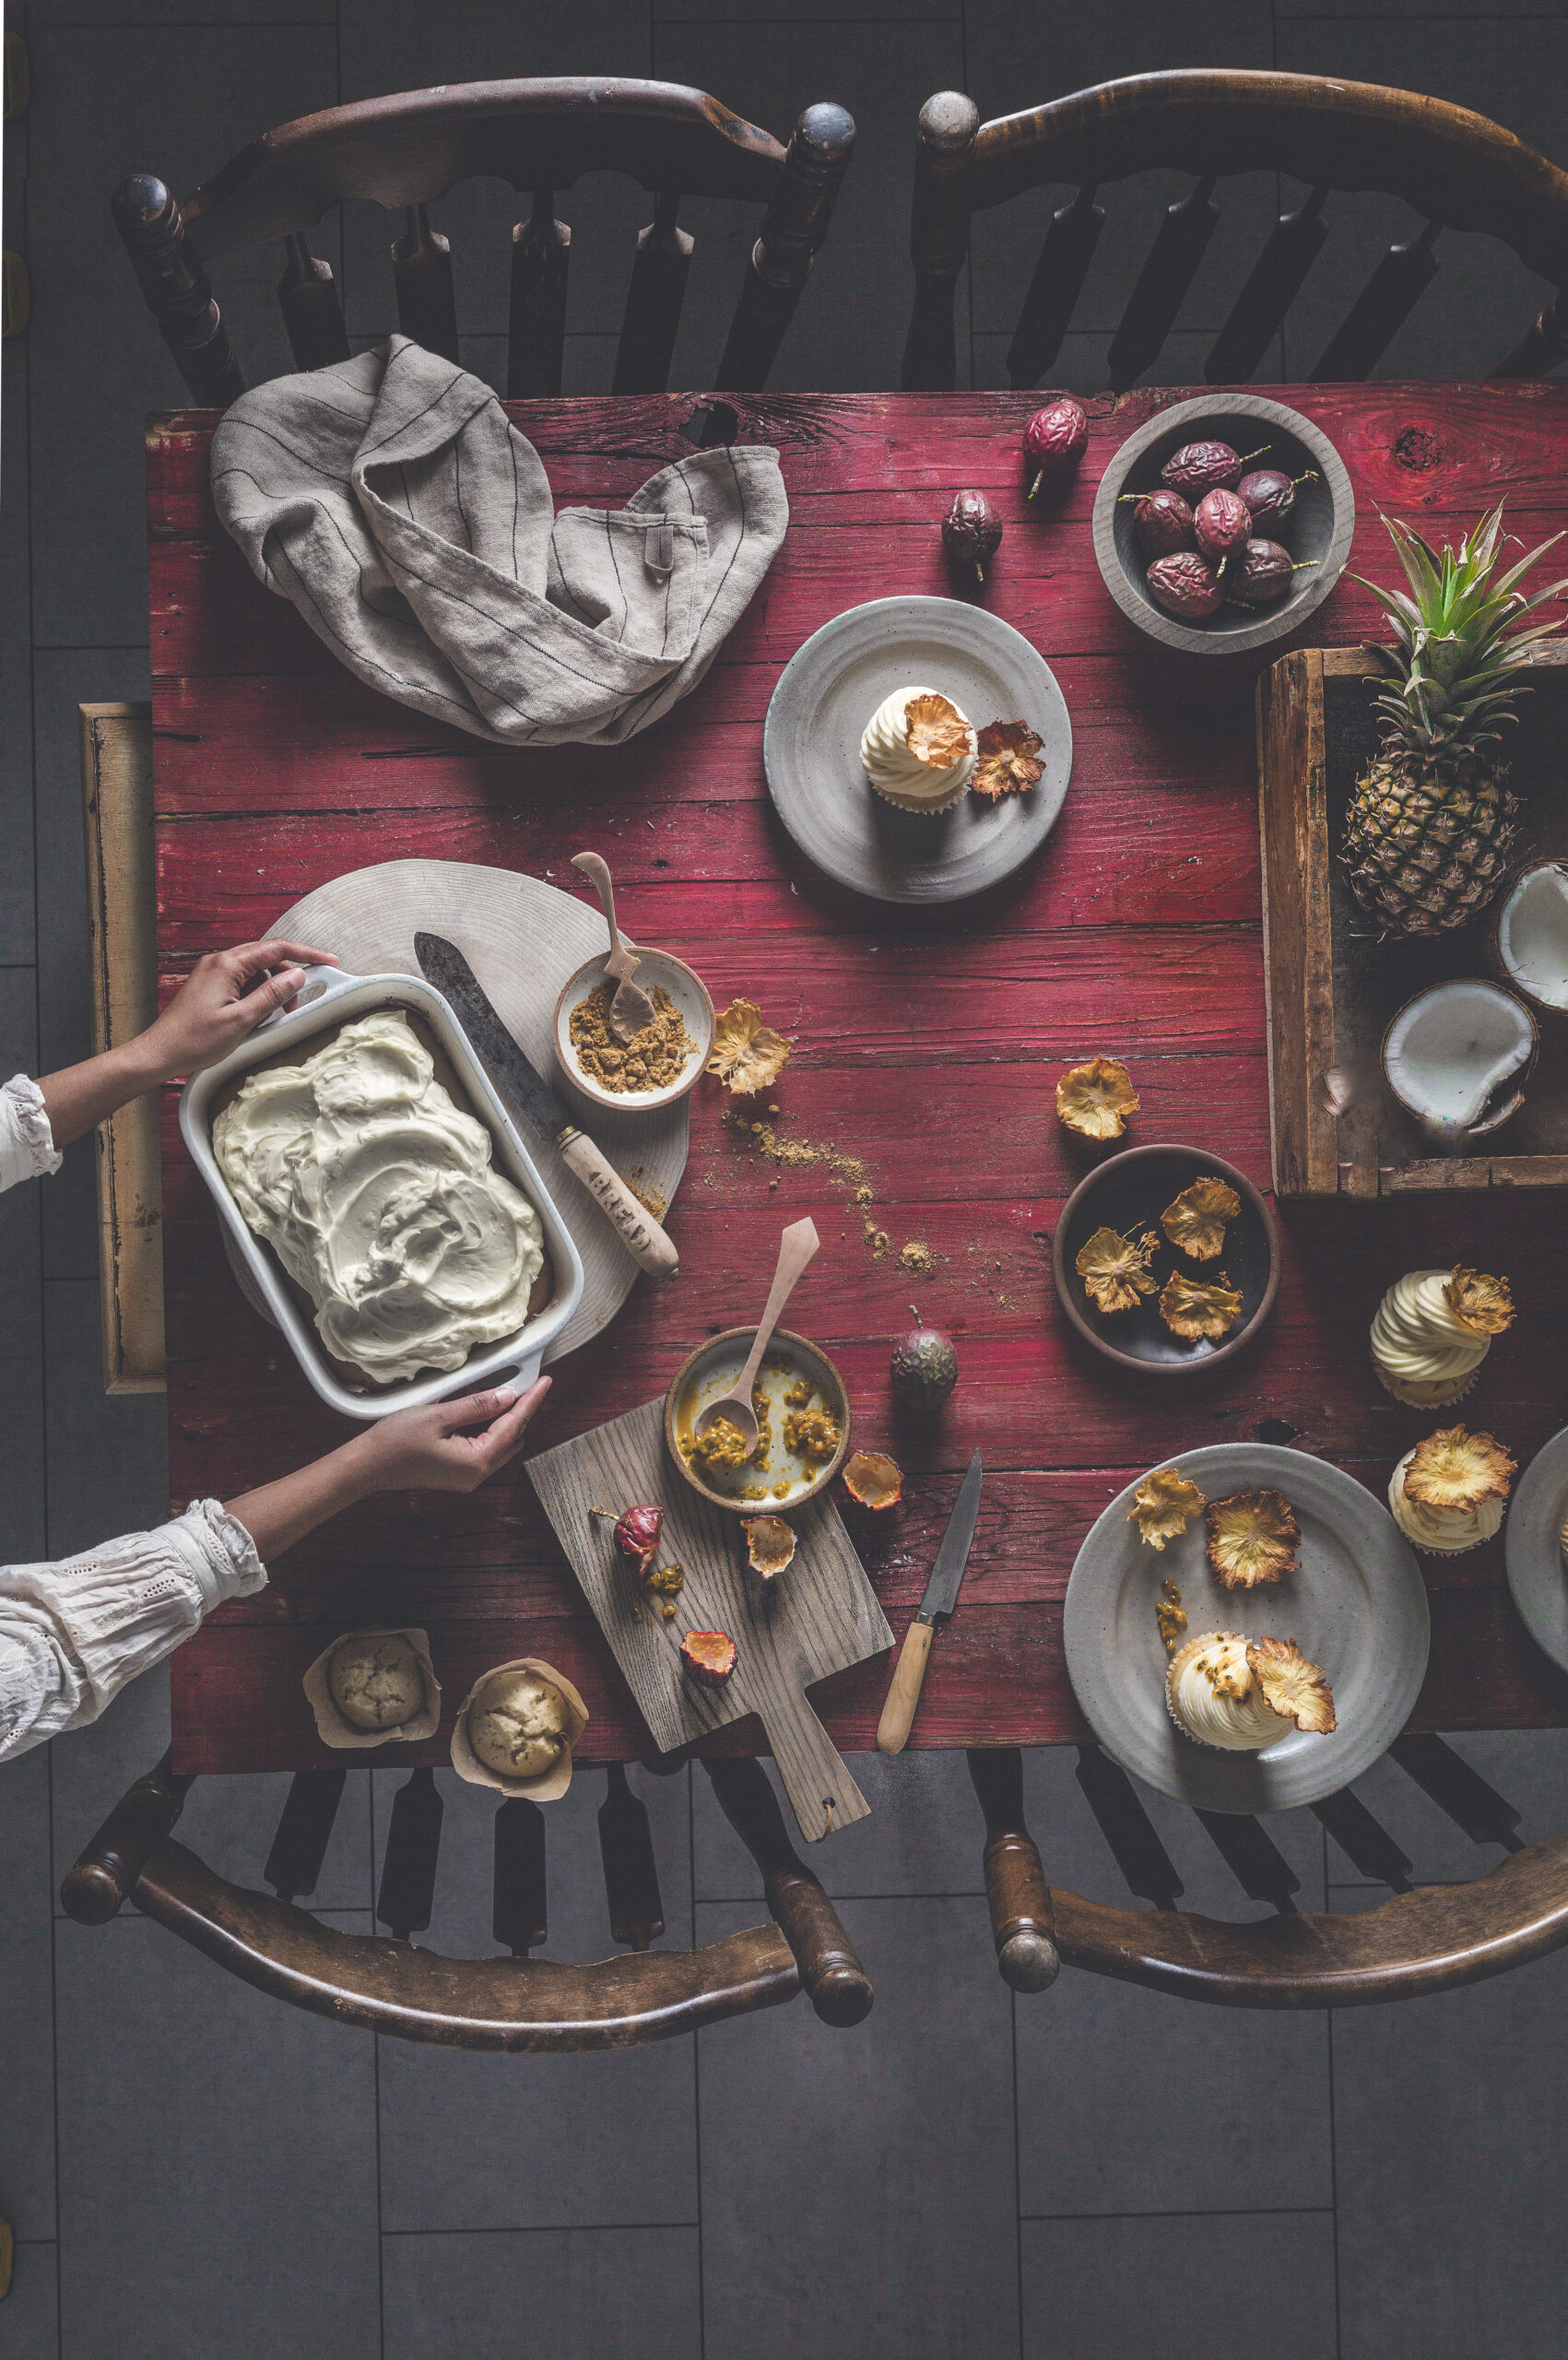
941	1597
524	1091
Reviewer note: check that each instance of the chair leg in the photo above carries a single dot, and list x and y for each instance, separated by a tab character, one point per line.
106	1873
830	1974
171	279
792	228
938	239
1022	1923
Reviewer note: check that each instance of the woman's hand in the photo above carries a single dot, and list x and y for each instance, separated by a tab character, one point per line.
224	996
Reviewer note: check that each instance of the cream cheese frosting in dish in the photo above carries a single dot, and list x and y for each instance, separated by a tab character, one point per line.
1422	1350
380	1198
896	773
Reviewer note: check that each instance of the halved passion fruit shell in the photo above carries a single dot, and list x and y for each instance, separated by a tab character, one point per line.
769	1545
708	1655
872	1478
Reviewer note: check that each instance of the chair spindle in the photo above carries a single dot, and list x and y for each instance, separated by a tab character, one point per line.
413	1843
1380	311
421	267
312	313
105	1874
830	1972
1478	1810
653	303
1143	1860
1253	1858
1048	307
1365	1843
1272	286
631	1875
1541	347
1168	271
792	228
304	1829
1022	1923
536	344
938	238
520	1919
175	285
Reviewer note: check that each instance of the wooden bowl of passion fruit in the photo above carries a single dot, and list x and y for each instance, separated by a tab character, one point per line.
710	1370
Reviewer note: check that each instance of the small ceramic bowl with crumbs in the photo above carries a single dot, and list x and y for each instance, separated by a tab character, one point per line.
804	1417
676	991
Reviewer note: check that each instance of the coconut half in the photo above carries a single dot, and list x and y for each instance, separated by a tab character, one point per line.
1456	1056
1531	933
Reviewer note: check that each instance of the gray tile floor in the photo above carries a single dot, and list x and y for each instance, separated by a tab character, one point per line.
192	2170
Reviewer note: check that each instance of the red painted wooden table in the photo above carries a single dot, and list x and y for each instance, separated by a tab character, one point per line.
926	1045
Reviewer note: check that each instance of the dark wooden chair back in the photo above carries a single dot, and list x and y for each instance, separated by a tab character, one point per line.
406	151
384	1984
1459	171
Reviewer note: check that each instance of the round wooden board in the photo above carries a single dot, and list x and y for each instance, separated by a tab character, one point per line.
522	938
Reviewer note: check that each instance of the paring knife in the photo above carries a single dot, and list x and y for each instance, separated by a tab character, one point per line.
941	1597
527	1093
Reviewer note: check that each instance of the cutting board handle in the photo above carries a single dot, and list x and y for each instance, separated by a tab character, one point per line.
816	1778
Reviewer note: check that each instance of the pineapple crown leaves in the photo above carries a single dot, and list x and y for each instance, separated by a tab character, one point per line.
1460	632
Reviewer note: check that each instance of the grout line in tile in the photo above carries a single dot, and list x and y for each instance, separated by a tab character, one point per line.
1018	2184
539	2229
697	2081
1193	2212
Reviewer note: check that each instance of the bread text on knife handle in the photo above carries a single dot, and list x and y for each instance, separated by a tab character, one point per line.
640	1233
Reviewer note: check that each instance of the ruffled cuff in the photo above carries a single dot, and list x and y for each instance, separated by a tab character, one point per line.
26	1143
219	1551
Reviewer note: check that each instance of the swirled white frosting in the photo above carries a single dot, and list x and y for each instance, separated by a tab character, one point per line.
1442	1531
378	1196
1199	1683
893	770
1420	1348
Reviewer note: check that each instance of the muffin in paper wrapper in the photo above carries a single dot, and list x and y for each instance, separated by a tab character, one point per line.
334	1730
556	1779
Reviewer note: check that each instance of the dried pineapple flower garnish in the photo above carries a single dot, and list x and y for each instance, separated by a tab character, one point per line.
748	1054
1195	1220
1192	1307
1096	1099
1114	1269
1478	1302
1007	766
1455	1470
937	733
1253	1537
1162	1503
1297	1690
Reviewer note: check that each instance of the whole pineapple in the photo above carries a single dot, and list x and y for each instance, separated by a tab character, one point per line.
1430	829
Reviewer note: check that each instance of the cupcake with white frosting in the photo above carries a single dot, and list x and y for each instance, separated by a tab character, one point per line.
1243	1695
1448	1493
1433	1330
919	750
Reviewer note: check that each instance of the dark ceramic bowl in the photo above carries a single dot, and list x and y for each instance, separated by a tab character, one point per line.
1319	526
1132	1191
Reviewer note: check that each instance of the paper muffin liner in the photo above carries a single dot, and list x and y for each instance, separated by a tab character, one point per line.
923	809
1433	1397
331	1726
1431	1548
555	1782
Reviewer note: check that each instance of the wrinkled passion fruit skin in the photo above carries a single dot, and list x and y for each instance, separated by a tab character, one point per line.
637	1534
1271	495
1162	522
1198	467
1221	524
1054	441
971	533
1186	585
925	1369
1261	576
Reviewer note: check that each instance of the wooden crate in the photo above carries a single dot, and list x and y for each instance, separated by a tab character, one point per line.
1332	983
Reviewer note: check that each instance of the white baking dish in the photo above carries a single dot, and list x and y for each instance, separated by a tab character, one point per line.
331	998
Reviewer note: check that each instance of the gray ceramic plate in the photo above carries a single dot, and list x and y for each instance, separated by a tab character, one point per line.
827	693
1534	1552
1358	1607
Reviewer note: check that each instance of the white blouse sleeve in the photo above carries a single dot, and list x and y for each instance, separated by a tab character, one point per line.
72	1635
26	1143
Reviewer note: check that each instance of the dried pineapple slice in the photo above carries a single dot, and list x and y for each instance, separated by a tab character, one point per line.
1008	762
1096	1099
1478	1302
1114	1269
1194	1221
1194	1307
1298	1690
936	732
746	1054
1455	1470
1253	1537
1162	1503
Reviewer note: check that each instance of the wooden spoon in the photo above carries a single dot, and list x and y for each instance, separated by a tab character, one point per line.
630	1008
796	1247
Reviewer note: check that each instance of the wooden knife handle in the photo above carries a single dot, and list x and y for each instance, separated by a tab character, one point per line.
639	1232
903	1695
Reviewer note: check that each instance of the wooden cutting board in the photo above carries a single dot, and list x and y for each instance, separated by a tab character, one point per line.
819	1617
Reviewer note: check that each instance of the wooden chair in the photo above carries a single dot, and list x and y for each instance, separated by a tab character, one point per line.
1431	1938
1458	169
384	1984
406	151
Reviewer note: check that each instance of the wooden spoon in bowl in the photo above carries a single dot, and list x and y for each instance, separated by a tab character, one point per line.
796	1247
630	1008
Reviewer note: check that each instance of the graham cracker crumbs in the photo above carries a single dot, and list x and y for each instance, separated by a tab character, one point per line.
651	1197
917	1257
841	1169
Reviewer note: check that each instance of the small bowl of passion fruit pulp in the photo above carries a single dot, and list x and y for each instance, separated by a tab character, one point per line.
802	1416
